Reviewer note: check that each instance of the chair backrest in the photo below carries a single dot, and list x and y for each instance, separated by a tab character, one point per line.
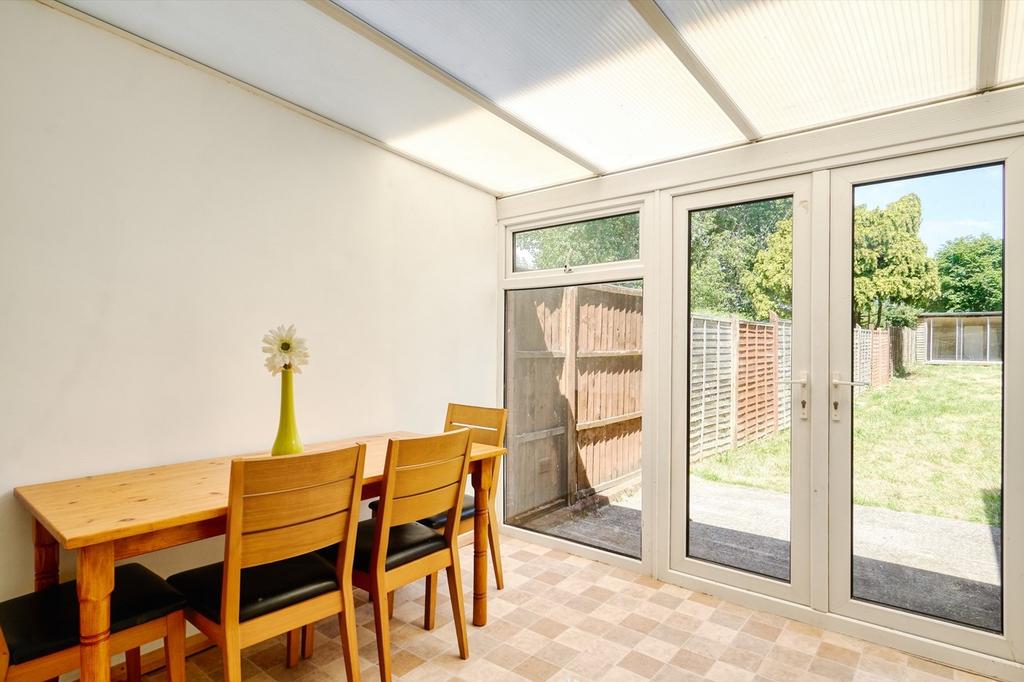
281	507
486	424
423	476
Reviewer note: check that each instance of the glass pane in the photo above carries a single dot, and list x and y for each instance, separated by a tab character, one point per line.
943	339
995	342
572	387
973	339
603	240
927	433
740	350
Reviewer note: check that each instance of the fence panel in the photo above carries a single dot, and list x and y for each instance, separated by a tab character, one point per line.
609	367
757	381
712	384
535	397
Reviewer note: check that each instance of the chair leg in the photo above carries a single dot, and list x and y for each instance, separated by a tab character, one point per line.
347	625
308	639
493	539
133	664
231	653
430	603
383	628
458	606
174	647
294	647
391	605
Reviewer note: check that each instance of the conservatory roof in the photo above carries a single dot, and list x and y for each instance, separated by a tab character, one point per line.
512	96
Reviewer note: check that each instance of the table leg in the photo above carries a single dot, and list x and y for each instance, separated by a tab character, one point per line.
47	560
481	489
47	557
95	583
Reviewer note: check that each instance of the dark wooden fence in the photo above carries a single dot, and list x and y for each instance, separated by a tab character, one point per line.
573	380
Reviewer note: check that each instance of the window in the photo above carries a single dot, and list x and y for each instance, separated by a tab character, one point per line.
574	365
589	242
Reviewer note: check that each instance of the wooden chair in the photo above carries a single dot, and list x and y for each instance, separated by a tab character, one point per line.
423	476
280	510
39	631
486	426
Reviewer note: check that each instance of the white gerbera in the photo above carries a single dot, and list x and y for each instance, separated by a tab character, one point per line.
284	350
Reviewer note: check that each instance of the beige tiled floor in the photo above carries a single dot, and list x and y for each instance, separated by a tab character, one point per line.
561	617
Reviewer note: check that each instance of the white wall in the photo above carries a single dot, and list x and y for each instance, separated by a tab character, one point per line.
155	221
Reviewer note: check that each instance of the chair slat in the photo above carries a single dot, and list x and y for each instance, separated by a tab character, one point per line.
274	474
429	449
289	507
416	507
265	546
486	424
421	478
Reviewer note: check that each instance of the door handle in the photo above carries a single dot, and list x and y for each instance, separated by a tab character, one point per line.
805	388
836	383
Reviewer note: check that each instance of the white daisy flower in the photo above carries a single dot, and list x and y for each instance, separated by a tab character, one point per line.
284	350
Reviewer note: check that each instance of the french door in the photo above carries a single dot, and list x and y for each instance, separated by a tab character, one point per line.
847	392
925	472
741	387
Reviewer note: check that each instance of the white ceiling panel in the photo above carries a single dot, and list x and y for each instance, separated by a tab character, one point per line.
793	64
591	75
296	52
1011	52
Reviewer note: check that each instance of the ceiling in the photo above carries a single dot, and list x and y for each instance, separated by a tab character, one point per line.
515	95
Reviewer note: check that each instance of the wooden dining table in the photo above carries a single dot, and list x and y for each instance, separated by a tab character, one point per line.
120	515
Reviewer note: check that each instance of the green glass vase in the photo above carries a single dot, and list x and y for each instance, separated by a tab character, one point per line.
287	441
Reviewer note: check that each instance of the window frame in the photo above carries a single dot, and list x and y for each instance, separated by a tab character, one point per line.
597	273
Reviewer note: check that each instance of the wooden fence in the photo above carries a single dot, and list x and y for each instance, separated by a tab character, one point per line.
574	376
739	373
573	380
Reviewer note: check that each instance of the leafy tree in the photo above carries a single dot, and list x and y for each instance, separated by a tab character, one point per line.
901	315
971	274
890	262
770	282
724	246
593	241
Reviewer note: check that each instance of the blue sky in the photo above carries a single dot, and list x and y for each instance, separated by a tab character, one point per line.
954	204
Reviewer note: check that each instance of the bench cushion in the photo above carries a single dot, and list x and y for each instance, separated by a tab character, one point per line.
264	589
45	622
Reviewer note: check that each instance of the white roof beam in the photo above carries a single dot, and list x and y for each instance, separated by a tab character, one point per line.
356	24
990	31
666	30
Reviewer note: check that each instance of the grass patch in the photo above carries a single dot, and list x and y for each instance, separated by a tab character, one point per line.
928	443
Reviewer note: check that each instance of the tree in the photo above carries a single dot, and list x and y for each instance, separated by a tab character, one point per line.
724	246
594	241
971	274
890	262
770	281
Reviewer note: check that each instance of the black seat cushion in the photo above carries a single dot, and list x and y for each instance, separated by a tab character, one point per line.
46	622
406	543
264	589
437	521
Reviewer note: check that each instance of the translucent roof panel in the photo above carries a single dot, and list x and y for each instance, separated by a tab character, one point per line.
1011	45
793	64
591	75
298	53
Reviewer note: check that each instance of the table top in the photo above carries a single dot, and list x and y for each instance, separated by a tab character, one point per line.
86	511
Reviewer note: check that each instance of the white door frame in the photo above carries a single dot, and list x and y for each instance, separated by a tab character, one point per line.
679	205
1011	642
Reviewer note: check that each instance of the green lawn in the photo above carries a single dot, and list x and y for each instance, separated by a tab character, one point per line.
928	443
